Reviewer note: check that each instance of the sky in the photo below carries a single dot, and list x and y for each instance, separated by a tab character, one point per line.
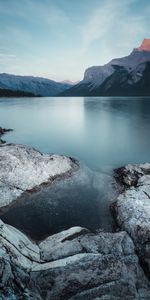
59	39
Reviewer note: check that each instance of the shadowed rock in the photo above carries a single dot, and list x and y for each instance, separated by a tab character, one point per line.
133	208
74	264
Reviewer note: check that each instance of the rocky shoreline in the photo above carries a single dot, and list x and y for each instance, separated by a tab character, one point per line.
132	208
76	263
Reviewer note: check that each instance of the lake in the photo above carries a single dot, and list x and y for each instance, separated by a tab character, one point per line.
102	133
97	131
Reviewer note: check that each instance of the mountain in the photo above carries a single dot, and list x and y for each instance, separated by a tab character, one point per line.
68	81
125	76
13	85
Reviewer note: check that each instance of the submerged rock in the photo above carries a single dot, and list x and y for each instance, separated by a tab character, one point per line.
132	208
101	266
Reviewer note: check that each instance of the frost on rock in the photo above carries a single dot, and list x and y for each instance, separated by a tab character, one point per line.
23	168
133	207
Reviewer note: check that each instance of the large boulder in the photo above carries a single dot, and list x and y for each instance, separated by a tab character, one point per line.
74	264
23	169
132	208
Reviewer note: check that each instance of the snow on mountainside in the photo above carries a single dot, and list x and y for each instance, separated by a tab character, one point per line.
34	85
122	73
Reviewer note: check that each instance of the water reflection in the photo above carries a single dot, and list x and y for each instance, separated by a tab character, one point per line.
81	200
100	132
97	131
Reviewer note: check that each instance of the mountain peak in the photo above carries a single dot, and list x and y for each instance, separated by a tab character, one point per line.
145	46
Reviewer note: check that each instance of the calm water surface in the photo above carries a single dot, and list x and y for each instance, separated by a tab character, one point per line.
97	131
103	133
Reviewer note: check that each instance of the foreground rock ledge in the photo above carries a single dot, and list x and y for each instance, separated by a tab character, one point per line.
132	208
73	264
23	168
76	263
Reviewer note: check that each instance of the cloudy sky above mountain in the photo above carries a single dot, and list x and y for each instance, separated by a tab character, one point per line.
59	39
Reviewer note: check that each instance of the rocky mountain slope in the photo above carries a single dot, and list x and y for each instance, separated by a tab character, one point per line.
125	76
13	85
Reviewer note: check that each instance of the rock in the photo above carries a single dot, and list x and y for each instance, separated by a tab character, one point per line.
132	208
23	168
20	241
104	266
3	131
130	174
75	263
2	142
59	246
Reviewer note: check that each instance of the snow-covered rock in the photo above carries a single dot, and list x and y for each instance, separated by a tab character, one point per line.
23	168
133	207
35	85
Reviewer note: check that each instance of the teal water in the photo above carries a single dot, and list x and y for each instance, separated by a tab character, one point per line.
103	133
97	131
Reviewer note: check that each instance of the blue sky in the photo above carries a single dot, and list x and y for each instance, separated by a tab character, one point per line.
59	39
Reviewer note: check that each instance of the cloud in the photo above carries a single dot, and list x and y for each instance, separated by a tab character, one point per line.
4	55
34	11
115	24
62	38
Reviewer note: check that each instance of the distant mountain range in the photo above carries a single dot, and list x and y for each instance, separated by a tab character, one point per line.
13	85
126	76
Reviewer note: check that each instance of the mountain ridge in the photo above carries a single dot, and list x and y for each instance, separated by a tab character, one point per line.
125	76
127	73
29	86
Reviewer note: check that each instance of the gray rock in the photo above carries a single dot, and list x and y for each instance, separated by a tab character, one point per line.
63	244
74	264
23	168
133	208
2	132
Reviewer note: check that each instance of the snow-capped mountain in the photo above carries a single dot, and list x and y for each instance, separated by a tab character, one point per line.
121	76
28	85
